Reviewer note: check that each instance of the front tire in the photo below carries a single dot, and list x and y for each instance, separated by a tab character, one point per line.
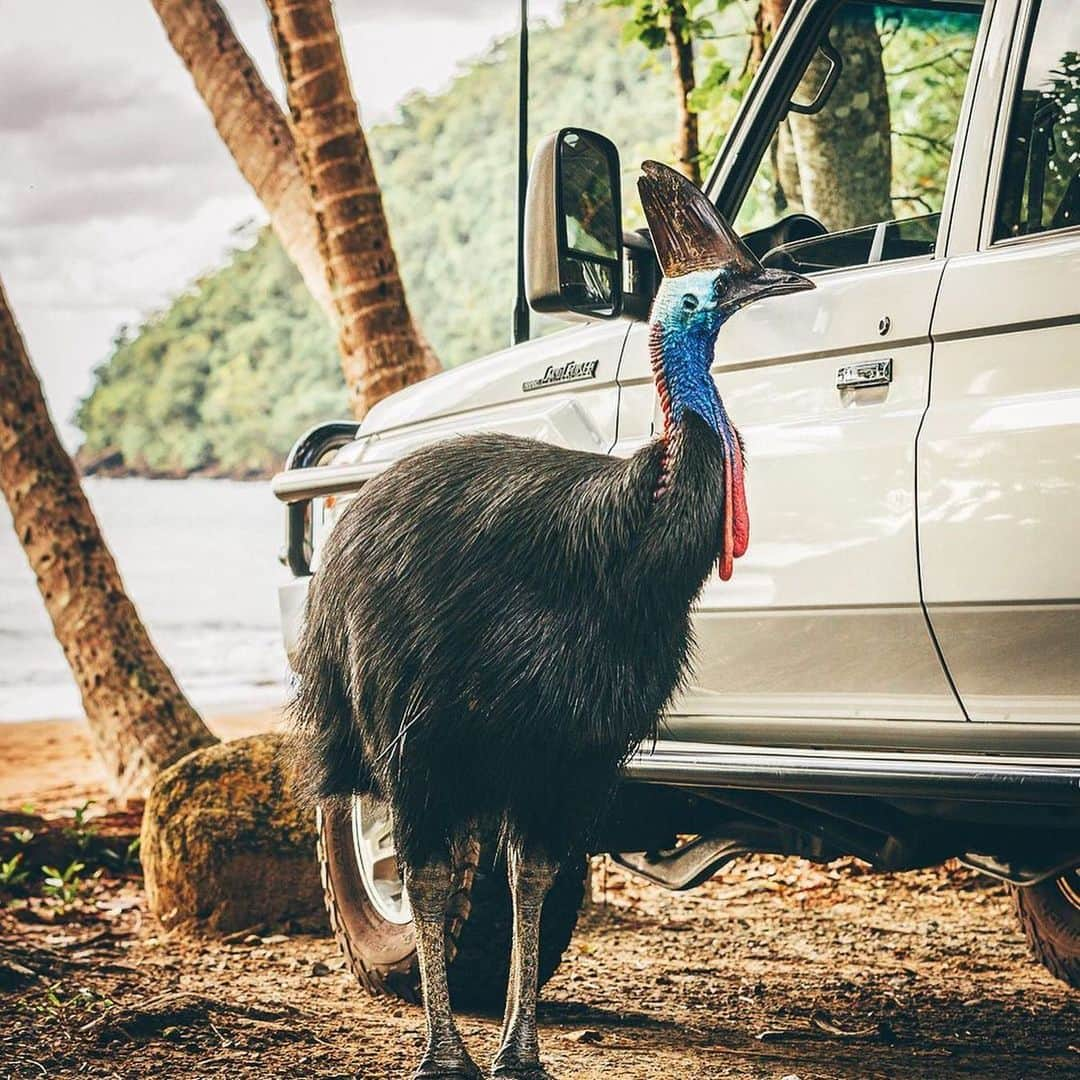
1050	915
371	921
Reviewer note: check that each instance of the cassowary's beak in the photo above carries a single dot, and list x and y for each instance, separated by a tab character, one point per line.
689	233
765	281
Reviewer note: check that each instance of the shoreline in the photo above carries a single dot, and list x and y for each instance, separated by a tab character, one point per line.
125	472
51	764
110	464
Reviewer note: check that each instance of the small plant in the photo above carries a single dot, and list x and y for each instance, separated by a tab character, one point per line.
12	873
80	830
121	861
63	887
57	1002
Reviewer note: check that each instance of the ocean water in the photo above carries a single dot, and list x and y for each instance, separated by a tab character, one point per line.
199	558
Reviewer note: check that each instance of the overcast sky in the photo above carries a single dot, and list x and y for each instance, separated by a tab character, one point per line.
115	190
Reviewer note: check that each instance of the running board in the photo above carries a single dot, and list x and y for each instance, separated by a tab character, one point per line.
975	778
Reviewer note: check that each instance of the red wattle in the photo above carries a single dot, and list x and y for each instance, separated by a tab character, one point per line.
741	523
728	552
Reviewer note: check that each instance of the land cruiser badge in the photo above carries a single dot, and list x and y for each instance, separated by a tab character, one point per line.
563	373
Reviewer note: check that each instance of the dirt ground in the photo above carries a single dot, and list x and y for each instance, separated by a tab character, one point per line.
776	970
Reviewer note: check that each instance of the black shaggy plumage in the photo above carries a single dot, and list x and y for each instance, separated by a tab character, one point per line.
497	622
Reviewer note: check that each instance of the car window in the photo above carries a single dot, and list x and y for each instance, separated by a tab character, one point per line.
1040	180
855	172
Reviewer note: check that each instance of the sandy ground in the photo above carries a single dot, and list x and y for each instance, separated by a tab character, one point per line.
776	970
50	764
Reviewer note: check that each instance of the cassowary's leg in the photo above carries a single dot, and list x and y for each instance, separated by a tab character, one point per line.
531	875
429	887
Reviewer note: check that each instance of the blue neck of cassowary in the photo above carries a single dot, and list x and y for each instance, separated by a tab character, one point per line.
685	323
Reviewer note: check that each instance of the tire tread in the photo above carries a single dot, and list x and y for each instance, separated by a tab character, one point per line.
1052	928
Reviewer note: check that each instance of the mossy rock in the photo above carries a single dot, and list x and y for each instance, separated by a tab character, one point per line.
225	845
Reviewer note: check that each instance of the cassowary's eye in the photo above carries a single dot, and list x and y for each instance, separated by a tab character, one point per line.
689	302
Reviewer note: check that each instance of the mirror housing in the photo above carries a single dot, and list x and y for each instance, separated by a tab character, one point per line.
573	227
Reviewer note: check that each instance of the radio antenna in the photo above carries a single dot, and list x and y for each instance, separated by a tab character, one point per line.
520	327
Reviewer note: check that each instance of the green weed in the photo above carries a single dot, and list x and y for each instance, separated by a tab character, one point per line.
63	887
12	874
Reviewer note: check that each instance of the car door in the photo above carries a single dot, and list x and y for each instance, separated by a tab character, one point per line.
999	454
823	617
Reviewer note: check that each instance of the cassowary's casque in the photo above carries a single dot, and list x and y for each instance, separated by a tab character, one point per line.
498	622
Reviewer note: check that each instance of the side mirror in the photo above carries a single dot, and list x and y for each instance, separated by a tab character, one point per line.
573	227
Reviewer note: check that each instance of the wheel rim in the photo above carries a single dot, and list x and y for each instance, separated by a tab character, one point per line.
1069	884
373	844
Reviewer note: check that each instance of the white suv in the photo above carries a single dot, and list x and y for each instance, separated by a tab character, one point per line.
894	670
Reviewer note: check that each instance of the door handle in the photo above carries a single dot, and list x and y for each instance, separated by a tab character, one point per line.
860	376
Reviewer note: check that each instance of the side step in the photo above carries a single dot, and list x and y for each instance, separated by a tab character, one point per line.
968	777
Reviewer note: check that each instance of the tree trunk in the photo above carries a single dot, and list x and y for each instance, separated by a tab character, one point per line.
687	147
787	191
139	719
771	14
381	347
252	127
844	151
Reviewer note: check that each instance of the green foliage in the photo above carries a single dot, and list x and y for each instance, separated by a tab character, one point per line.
926	67
59	1002
63	886
81	831
720	31
650	20
227	376
1061	121
12	873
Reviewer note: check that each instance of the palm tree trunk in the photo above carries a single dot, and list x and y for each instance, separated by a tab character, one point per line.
687	147
381	347
139	719
253	128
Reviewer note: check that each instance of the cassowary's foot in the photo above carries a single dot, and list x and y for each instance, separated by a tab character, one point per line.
510	1067
518	1070
462	1067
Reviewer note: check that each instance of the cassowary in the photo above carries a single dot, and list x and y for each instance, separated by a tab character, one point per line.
497	622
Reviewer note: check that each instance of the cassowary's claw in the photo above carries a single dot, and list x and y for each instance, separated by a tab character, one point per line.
521	1072
464	1069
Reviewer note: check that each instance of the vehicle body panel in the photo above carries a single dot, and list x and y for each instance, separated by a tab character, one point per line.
999	453
487	394
999	480
822	616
